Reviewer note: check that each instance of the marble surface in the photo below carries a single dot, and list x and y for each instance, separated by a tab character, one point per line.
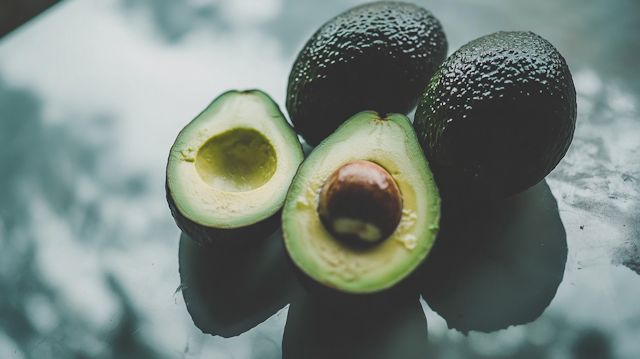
92	95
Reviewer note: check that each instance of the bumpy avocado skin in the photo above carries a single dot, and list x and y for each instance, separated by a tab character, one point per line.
498	115
377	56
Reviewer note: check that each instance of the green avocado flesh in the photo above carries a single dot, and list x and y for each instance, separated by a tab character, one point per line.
232	165
498	115
377	56
391	143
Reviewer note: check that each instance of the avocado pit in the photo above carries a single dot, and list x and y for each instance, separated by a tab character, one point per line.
360	203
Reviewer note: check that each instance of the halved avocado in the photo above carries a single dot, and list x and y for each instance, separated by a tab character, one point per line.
230	168
339	265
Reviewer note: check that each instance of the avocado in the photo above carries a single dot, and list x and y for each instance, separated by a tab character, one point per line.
378	56
498	115
349	259
230	168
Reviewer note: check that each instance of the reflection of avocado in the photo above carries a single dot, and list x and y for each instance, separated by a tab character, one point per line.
397	330
498	115
497	263
374	264
377	56
230	168
228	292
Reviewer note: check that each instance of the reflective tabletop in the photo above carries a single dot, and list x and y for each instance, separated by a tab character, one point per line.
92	265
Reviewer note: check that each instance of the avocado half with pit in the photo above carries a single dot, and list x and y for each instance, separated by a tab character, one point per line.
336	234
230	168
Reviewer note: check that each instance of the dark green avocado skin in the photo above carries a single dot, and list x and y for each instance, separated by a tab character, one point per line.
378	56
498	115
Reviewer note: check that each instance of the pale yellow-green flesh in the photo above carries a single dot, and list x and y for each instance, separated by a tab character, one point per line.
231	166
392	144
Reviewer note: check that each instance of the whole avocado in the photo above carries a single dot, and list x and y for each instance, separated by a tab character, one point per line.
378	56
498	116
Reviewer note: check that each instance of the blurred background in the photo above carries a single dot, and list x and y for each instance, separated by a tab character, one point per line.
93	94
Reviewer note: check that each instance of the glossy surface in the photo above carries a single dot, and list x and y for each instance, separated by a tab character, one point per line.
93	94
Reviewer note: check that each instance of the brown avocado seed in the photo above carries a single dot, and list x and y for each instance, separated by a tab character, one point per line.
360	202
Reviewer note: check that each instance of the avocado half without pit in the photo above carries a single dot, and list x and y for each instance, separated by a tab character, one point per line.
363	211
230	168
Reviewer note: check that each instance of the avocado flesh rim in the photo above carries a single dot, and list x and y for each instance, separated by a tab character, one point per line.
392	144
252	119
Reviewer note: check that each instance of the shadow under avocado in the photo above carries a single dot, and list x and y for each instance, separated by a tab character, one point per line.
229	291
396	330
496	264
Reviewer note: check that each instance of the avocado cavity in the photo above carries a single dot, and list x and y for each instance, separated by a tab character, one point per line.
238	160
